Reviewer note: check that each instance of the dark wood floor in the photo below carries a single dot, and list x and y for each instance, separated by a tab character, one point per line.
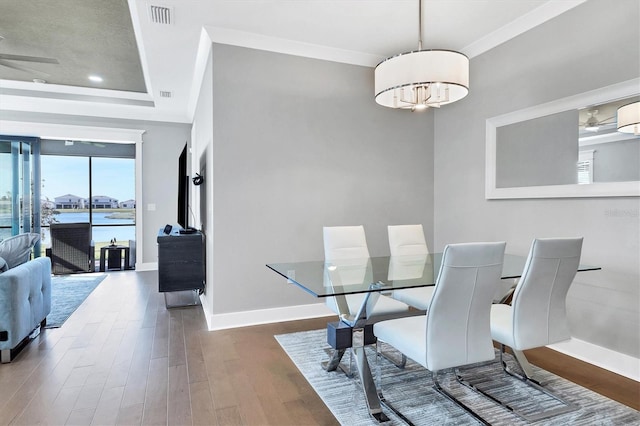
122	358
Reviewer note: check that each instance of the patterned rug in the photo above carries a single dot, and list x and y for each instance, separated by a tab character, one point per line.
410	391
67	293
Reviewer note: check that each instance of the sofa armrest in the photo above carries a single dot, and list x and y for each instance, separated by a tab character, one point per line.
25	299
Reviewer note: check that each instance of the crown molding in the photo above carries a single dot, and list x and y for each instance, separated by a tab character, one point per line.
537	16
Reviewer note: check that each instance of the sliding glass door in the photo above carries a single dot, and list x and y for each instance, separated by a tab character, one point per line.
19	186
57	181
113	207
92	185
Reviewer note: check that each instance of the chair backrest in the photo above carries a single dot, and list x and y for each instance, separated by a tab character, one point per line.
407	267
407	240
458	324
348	272
70	247
344	242
539	310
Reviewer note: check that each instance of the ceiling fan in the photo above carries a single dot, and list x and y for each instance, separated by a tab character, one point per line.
7	59
593	124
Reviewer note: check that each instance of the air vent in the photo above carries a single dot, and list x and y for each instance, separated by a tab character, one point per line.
161	14
165	94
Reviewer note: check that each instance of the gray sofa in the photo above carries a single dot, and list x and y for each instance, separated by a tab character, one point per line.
25	302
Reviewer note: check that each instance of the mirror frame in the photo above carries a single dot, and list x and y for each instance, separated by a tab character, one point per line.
599	189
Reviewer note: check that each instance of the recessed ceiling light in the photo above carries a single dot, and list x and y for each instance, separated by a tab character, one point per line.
95	78
39	80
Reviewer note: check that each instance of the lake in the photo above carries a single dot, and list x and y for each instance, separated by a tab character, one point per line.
100	233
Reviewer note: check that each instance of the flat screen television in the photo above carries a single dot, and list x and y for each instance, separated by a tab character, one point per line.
183	190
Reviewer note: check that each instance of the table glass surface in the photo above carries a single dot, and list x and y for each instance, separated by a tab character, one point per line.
327	278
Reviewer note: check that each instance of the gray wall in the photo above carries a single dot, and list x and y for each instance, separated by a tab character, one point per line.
541	151
616	161
299	144
552	61
162	143
202	161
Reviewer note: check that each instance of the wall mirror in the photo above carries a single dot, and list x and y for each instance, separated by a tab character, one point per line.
570	147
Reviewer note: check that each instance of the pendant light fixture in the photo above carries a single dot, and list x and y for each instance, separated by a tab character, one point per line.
422	78
629	118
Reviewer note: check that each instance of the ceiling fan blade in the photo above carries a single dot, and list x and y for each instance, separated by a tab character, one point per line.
20	68
606	119
40	59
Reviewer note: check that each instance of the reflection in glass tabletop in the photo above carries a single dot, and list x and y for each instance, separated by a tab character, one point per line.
330	278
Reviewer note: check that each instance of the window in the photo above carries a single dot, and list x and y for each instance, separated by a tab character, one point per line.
19	175
585	166
90	182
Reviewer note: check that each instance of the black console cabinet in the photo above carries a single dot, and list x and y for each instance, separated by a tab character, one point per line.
180	261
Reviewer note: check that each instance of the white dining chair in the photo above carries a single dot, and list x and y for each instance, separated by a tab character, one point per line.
346	251
455	330
407	244
349	243
407	240
537	315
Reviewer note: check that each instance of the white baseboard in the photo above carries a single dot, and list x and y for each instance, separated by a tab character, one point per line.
263	316
616	362
149	266
206	311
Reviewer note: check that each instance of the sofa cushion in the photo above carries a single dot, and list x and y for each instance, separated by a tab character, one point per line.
16	250
3	265
25	301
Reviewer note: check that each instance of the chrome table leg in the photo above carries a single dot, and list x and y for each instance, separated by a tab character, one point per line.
334	362
368	385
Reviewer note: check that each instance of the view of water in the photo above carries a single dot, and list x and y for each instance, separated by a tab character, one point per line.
100	233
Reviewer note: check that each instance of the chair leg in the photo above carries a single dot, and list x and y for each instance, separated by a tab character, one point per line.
397	412
378	382
380	354
336	356
378	376
401	364
449	396
568	406
523	364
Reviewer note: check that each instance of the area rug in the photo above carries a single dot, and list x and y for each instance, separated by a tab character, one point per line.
410	391
67	293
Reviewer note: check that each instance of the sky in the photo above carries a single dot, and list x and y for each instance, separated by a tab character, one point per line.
113	177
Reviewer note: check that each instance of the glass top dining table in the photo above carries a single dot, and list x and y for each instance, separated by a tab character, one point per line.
323	278
332	278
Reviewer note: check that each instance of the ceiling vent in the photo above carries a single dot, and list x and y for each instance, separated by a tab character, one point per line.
165	94
161	14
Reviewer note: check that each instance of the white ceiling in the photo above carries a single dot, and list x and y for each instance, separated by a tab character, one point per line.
361	32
